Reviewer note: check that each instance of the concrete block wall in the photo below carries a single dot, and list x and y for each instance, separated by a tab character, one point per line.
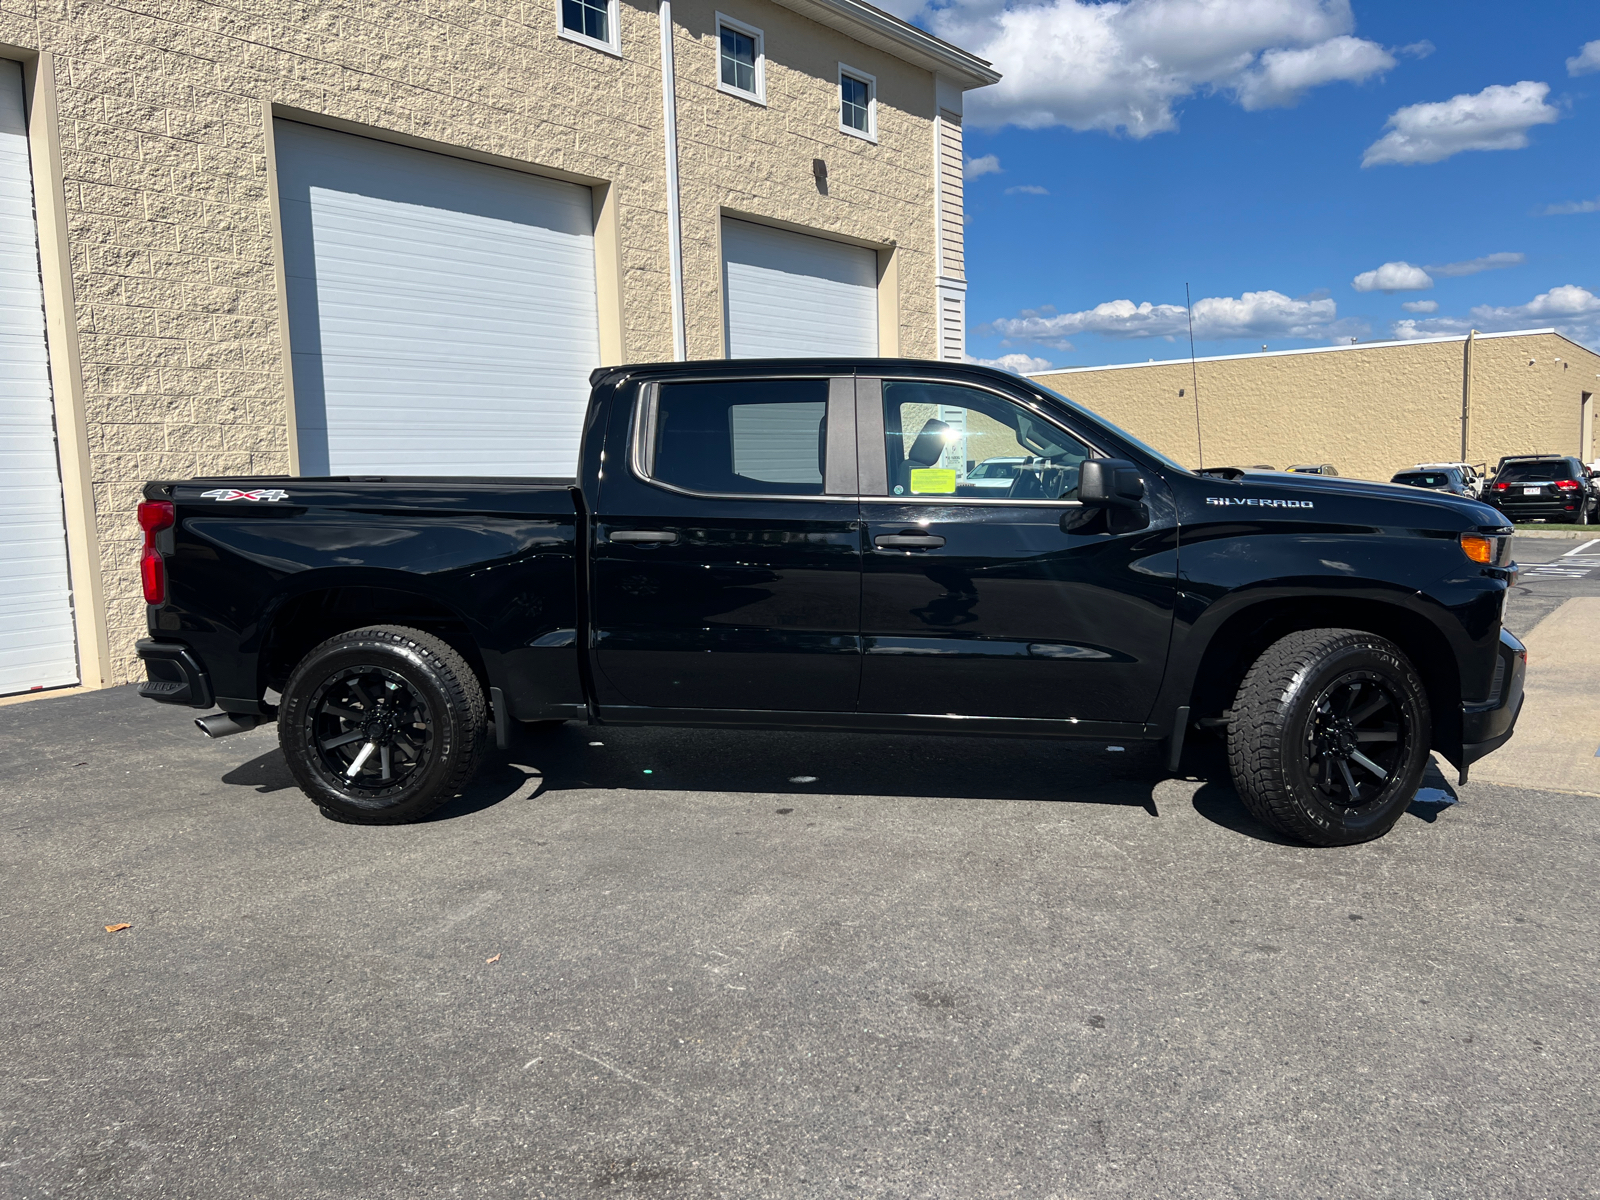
164	127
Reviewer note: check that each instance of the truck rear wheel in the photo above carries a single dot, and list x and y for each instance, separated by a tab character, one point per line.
382	725
1329	736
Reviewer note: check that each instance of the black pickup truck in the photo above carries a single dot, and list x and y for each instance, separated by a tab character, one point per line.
888	545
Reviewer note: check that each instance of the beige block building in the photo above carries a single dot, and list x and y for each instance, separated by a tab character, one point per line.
1370	409
347	236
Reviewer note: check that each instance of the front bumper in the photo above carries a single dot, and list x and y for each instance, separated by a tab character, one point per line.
175	674
1488	725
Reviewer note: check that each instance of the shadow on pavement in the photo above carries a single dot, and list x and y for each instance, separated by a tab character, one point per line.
1216	801
566	757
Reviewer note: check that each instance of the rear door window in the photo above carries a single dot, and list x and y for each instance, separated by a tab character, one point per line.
742	436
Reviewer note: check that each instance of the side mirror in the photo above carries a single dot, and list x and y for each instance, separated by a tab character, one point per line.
1110	483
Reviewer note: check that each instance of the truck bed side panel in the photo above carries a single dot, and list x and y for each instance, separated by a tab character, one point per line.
498	555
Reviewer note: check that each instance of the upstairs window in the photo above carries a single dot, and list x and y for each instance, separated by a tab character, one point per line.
592	22
741	64
858	103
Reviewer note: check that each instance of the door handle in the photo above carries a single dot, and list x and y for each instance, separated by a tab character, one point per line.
647	537
908	541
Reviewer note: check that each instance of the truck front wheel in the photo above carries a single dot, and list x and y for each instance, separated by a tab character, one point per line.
1329	736
382	725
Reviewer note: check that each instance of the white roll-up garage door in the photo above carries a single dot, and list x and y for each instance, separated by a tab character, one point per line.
38	647
442	313
790	295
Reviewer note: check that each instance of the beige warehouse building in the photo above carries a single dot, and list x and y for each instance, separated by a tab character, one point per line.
1370	409
357	237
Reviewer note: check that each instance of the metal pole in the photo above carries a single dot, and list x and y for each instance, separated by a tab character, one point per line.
1466	395
669	112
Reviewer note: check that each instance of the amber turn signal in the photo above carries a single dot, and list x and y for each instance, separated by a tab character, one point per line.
1478	549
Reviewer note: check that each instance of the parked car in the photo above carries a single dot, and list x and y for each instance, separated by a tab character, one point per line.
1472	474
1548	487
772	545
1312	469
1436	479
995	474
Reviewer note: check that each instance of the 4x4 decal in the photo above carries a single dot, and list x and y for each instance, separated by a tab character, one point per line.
267	494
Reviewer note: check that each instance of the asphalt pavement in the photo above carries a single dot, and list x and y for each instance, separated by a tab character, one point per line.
674	963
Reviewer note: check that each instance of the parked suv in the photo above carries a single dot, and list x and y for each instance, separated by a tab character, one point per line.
1436	479
1545	487
1472	475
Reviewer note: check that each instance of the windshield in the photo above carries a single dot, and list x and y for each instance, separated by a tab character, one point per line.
1423	478
1553	468
995	468
1074	406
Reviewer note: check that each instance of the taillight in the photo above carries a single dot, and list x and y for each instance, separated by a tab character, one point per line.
1499	487
1567	485
154	516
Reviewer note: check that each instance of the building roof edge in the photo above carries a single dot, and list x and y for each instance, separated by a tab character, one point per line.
901	38
1385	345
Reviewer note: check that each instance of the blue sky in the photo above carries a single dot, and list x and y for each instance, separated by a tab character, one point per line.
1221	142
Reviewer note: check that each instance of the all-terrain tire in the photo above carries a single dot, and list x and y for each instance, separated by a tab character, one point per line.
406	693
1287	737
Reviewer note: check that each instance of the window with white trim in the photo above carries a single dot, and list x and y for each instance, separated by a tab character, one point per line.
592	22
741	60
858	103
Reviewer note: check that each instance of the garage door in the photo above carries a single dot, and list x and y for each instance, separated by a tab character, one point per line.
790	295
442	314
37	644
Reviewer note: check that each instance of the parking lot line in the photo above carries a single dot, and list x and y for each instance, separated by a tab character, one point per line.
1581	548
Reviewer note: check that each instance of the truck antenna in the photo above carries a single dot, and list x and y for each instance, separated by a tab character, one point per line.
1194	379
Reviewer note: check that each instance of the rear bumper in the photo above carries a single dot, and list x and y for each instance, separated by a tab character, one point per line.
1547	509
175	674
1487	726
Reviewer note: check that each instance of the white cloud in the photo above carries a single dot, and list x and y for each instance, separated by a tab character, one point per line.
1572	206
989	164
1473	266
1028	189
1586	61
1417	49
1017	364
1497	118
1121	65
1573	310
1393	277
1421	306
1283	75
1254	314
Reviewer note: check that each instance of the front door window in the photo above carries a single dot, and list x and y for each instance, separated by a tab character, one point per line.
944	440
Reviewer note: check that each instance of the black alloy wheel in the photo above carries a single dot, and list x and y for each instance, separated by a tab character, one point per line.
373	730
1329	736
382	725
1356	740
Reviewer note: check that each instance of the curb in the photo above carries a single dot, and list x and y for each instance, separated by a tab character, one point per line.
1559	534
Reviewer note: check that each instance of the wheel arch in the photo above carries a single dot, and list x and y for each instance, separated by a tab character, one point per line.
1244	634
311	616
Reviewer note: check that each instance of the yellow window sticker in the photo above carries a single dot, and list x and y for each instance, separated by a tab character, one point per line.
930	480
